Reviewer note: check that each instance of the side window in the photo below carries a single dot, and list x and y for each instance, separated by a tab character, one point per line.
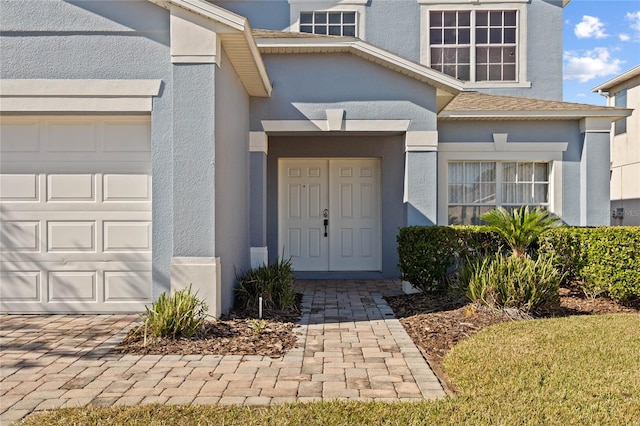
620	126
329	23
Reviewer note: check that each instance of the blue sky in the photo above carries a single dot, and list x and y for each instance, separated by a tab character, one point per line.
601	40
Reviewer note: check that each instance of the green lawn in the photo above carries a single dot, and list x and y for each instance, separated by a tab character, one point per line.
582	370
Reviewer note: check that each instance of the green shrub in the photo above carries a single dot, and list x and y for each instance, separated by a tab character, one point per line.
274	283
521	227
178	315
511	282
606	260
428	254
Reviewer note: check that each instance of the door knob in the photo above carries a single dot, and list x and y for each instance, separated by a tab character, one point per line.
325	213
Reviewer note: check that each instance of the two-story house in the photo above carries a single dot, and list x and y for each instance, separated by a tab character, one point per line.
149	145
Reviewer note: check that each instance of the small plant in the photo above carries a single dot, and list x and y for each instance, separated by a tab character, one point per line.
258	325
178	315
521	227
506	282
274	283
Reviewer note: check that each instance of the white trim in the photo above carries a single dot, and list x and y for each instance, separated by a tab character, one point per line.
468	85
595	125
194	38
335	118
275	126
416	141
555	188
493	148
78	95
203	274
258	142
259	256
363	2
472	5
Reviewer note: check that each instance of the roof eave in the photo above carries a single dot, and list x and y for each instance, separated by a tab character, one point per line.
627	75
613	115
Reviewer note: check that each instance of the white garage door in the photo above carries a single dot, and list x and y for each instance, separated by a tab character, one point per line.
75	216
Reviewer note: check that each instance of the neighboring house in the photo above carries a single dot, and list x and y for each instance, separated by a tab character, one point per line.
272	142
623	91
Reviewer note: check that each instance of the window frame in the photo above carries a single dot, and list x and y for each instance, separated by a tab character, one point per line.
620	126
520	6
299	6
327	24
499	182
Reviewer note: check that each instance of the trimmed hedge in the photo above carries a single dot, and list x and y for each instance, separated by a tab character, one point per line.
428	253
605	259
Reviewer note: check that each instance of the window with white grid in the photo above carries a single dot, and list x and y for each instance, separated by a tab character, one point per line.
338	23
474	45
475	187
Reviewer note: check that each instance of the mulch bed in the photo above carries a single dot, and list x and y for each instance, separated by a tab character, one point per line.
234	334
436	322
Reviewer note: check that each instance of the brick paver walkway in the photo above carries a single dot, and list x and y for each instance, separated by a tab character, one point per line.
351	347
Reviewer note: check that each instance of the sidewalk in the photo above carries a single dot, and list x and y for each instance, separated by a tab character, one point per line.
350	347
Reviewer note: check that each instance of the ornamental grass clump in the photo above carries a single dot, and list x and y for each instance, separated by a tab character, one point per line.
274	283
180	314
510	282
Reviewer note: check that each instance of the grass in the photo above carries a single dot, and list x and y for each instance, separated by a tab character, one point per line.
566	371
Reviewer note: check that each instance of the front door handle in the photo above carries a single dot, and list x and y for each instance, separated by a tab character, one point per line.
326	226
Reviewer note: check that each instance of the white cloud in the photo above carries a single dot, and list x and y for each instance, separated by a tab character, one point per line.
592	64
634	18
624	37
590	27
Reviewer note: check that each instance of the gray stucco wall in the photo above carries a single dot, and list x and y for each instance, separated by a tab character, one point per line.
306	85
394	25
388	148
44	39
532	131
232	178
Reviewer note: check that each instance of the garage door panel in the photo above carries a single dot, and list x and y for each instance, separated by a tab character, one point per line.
70	286
20	286
126	137
76	214
20	236
127	286
127	236
127	187
71	187
71	137
20	137
71	236
19	187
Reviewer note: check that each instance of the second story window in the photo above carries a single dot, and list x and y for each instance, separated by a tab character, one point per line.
474	45
620	126
336	23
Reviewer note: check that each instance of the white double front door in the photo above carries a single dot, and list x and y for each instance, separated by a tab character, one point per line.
330	213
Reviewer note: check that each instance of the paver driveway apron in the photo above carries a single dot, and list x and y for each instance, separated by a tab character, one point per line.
350	347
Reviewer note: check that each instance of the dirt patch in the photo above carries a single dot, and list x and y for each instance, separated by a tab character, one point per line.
436	322
238	333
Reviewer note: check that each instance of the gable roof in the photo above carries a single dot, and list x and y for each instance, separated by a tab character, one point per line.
290	42
480	106
237	41
619	79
